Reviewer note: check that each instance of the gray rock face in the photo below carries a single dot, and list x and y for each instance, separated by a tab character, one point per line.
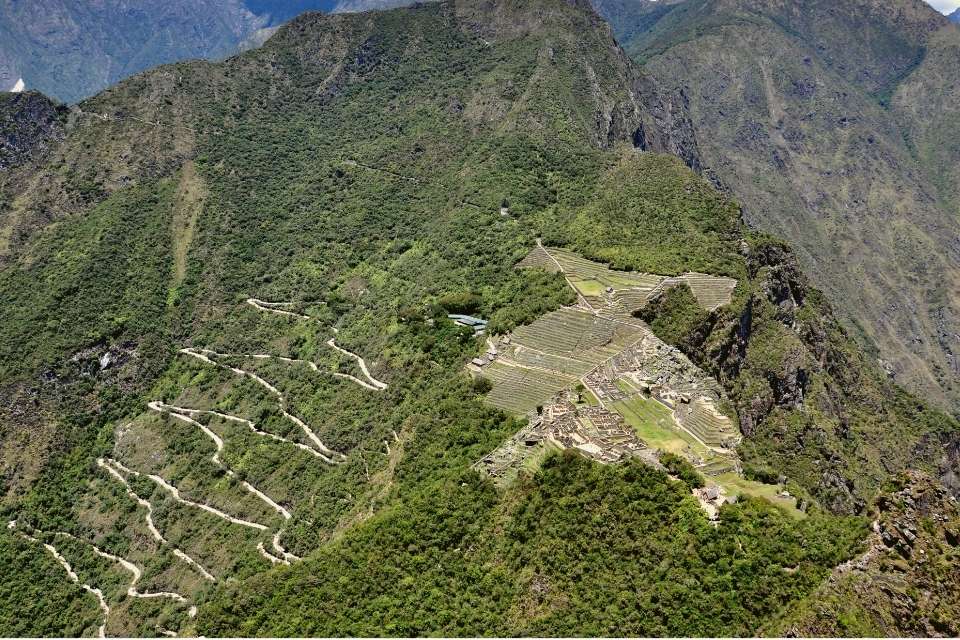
29	123
818	143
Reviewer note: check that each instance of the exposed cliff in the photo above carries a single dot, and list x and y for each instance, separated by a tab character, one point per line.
833	140
906	581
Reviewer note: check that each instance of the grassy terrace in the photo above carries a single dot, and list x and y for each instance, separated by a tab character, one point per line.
737	485
578	333
519	390
561	347
655	426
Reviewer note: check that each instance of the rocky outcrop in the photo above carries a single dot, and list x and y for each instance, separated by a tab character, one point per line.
811	407
835	143
905	583
30	123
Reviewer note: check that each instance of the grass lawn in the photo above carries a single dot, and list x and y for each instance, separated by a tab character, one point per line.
655	426
589	288
735	485
532	462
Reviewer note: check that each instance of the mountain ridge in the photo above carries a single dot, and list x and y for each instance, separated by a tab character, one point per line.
295	224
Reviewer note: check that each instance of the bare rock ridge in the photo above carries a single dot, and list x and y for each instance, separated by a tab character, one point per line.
902	584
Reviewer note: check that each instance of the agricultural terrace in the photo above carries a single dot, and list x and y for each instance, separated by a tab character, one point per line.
619	364
552	354
622	292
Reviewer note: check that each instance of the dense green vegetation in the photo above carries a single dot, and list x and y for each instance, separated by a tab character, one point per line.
355	167
682	470
579	549
814	409
675	316
37	598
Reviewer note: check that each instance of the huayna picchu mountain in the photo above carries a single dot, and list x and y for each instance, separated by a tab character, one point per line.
423	322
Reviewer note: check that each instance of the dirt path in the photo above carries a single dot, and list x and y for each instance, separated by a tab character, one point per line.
101	601
173	491
204	355
278	307
354	163
252	426
218	443
275	307
109	466
272	558
130	567
375	384
159	407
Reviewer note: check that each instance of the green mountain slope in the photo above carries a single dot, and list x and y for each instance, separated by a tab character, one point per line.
243	296
834	141
885	591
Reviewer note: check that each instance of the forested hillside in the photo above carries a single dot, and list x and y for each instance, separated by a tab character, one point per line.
234	402
71	50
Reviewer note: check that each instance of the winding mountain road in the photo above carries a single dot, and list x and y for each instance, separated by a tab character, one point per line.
101	601
278	307
206	356
146	504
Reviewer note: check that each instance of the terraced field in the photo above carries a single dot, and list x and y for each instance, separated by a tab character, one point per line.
551	354
580	335
620	293
520	390
706	423
670	403
711	291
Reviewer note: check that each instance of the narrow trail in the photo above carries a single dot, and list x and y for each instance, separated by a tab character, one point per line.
173	491
204	355
101	601
272	558
218	443
113	471
252	426
107	118
377	385
354	163
278	307
130	567
159	407
275	307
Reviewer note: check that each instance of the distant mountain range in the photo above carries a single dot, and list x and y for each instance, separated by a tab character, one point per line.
72	49
955	16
